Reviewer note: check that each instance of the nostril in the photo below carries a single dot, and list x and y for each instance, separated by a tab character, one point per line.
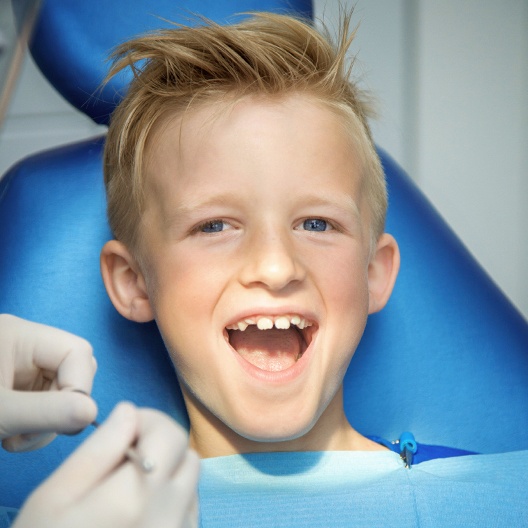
272	267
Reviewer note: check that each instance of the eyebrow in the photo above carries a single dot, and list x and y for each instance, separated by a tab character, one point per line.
195	206
322	199
339	202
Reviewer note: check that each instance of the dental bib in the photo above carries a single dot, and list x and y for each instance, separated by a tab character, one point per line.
345	489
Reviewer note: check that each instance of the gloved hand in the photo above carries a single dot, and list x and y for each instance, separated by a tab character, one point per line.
40	366
99	486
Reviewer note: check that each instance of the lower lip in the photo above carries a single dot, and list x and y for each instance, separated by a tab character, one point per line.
280	377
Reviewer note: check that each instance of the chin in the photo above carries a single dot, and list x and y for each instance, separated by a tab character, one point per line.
271	430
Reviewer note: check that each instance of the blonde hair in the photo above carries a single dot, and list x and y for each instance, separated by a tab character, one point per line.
265	55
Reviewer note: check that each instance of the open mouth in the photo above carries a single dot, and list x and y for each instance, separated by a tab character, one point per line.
270	343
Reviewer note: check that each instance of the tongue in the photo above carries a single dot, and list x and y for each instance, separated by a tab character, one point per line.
272	350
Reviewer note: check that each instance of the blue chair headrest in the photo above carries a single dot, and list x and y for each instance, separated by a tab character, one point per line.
72	40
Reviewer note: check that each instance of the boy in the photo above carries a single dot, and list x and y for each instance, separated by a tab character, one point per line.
248	207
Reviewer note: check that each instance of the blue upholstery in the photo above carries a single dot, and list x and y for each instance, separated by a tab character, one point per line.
87	31
446	359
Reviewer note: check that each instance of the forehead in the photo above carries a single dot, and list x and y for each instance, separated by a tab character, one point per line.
291	134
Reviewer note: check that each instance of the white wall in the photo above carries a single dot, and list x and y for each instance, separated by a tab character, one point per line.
38	117
451	78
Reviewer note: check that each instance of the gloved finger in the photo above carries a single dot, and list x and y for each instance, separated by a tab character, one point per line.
162	441
192	519
27	442
176	503
163	497
44	412
96	458
39	347
125	499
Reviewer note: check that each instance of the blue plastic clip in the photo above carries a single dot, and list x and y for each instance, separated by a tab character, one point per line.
408	448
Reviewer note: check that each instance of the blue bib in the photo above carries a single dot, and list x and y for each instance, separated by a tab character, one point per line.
366	489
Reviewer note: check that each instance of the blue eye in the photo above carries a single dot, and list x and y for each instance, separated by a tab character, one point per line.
213	226
315	224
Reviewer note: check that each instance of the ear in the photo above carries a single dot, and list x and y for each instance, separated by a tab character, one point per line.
382	272
124	282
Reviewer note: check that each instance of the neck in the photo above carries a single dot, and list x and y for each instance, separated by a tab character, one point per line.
210	437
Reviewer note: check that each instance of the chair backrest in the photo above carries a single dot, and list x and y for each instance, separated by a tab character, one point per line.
447	359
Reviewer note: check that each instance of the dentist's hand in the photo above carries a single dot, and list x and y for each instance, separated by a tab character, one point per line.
99	486
40	366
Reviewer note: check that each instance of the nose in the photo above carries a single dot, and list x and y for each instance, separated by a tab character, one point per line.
271	261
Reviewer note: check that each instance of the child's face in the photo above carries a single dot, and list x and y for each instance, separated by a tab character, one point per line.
255	217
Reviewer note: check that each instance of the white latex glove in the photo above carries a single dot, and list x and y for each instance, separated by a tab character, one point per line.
40	366
99	487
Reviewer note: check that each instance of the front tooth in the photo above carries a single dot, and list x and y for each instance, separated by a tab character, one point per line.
282	323
250	321
295	320
242	325
264	323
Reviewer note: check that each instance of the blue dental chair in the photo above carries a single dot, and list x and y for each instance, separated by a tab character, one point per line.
447	359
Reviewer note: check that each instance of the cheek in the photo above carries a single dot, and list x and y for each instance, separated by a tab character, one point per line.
182	285
182	308
184	293
347	301
342	278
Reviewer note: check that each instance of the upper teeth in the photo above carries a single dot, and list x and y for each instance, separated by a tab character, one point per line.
282	322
